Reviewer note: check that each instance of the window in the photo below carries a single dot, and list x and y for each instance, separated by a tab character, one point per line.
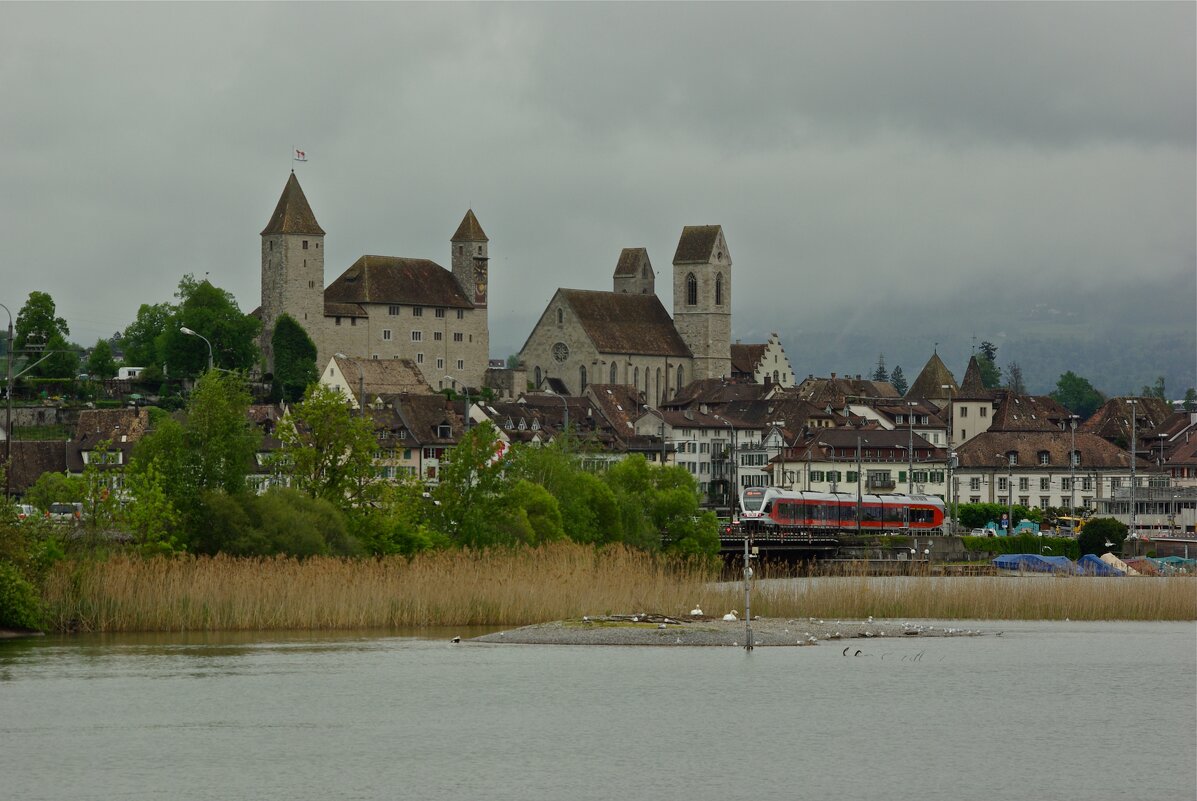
1012	458
386	334
305	244
636	378
816	476
719	289
1024	484
614	373
440	312
1045	484
691	290
461	364
1065	485
560	316
440	364
419	358
537	374
984	412
457	337
1075	457
393	311
417	311
353	321
1002	485
417	336
582	378
460	314
1045	457
964	411
311	284
1044	501
437	336
680	383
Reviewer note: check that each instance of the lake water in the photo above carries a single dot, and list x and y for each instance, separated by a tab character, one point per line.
1046	711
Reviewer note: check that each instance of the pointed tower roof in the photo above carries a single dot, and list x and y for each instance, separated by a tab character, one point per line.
931	380
973	386
697	244
293	215
469	230
632	261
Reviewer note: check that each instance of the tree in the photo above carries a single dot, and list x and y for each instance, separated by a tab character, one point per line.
101	365
989	351
880	373
589	509
1014	380
1191	400
143	339
294	360
39	329
212	313
898	380
55	488
396	521
472	484
1156	391
150	516
326	450
1099	531
1077	395
658	502
513	361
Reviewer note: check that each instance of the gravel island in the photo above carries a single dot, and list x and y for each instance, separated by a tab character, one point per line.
697	630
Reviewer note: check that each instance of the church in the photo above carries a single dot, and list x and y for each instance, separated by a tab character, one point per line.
626	336
380	307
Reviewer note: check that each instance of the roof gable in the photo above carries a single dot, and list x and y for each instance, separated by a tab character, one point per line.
697	244
469	230
932	379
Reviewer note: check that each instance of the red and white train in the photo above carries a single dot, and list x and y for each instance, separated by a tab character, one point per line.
771	509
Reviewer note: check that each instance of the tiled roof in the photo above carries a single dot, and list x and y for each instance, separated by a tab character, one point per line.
469	230
1027	413
715	391
332	309
1112	419
32	458
745	358
972	387
96	425
384	376
834	391
422	415
620	404
988	450
930	382
293	215
631	261
696	244
391	279
623	323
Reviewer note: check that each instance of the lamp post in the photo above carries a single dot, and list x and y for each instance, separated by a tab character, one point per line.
859	494
466	393
1009	492
1134	447
1072	418
910	450
948	488
8	410
731	461
191	333
361	384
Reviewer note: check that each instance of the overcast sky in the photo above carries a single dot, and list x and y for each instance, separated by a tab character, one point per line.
894	152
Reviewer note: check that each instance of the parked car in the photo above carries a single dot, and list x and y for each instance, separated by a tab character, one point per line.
65	512
983	532
25	511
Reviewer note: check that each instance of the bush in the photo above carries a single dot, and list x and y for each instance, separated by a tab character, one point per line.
1098	531
1024	543
20	607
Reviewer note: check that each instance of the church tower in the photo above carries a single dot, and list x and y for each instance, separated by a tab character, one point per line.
634	273
292	267
702	298
470	259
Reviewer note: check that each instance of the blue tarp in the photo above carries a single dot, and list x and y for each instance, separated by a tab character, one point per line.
1092	565
1034	563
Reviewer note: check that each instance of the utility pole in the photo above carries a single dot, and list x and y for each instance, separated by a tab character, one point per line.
1134	447
8	411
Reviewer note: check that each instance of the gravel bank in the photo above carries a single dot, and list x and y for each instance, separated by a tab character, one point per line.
697	630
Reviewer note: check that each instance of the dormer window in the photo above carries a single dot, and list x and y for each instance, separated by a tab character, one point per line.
1012	458
1076	458
1045	457
444	431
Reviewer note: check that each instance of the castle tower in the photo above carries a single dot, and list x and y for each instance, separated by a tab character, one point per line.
470	259
702	298
634	273
292	267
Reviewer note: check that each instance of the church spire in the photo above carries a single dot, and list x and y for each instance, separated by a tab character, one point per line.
293	215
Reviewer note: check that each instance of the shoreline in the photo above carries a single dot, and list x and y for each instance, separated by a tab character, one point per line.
657	630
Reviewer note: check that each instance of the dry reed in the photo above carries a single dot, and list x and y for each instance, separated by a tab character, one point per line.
510	588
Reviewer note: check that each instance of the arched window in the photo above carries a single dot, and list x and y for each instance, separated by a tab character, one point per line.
560	316
582	378
680	382
775	376
636	378
614	374
691	290
538	378
659	399
719	289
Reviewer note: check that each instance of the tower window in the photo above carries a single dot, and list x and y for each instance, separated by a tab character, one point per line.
419	358
691	290
311	284
582	378
719	289
480	250
560	316
338	321
614	376
460	249
461	364
440	364
305	244
353	321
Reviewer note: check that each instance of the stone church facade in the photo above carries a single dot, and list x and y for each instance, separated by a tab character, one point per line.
381	307
627	337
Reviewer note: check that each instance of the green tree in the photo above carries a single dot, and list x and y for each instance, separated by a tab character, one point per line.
1099	531
212	313
56	488
1077	395
898	379
662	502
144	338
294	360
989	351
396	521
101	365
1156	391
1191	400
589	510
528	514
38	328
150	516
880	373
472	484
327	450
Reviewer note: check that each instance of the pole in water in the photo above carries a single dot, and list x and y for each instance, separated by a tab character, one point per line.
747	597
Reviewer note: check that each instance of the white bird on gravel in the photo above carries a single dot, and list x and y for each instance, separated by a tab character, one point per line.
696	612
731	616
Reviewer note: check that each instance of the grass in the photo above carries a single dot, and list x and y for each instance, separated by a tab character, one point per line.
564	581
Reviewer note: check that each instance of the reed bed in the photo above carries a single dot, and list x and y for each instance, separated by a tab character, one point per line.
512	588
446	588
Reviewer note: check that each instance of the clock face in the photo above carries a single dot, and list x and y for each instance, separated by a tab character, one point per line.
561	351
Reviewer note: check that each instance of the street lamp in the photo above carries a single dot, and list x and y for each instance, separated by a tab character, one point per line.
859	494
466	392
1072	418
732	489
948	488
8	410
1134	443
1009	491
361	384
191	333
910	450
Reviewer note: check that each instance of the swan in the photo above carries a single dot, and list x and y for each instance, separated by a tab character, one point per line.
696	612
731	616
